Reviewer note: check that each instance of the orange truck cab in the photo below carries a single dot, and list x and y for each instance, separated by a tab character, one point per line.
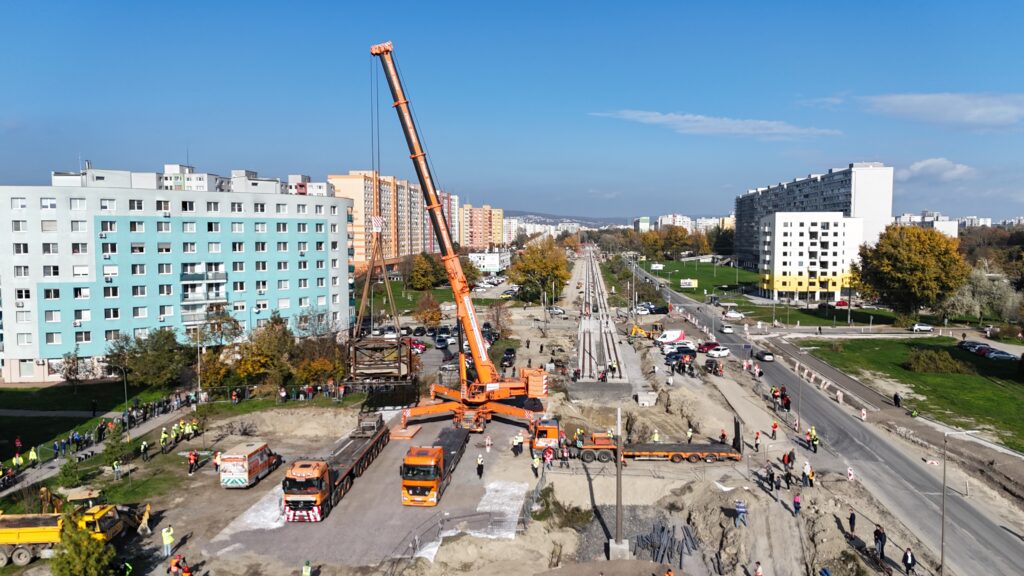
546	434
427	470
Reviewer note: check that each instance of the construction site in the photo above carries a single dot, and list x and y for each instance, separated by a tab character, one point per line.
589	454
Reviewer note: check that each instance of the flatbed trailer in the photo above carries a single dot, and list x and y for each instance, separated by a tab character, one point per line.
601	447
312	487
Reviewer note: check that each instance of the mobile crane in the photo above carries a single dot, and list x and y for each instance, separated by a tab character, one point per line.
484	393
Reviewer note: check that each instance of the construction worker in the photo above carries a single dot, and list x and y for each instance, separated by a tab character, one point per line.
775	428
175	432
33	458
535	465
116	466
187	430
216	461
125	568
164	440
167	535
307	570
757	441
814	444
193	461
144	450
655	437
480	466
689	435
519	443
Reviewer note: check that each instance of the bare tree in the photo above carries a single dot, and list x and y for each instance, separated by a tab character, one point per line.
71	368
501	317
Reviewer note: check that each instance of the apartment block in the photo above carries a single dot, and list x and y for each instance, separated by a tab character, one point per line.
677	220
642	224
100	253
481	228
929	219
807	255
861	190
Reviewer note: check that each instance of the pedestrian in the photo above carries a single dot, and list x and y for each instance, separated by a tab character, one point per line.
814	444
307	570
778	483
785	460
93	407
757	441
810	478
807	438
216	461
741	514
689	435
564	462
897	401
788	476
480	466
796	504
757	569
909	561
656	437
527	343
819	330
806	472
722	437
775	428
542	348
17	444
549	455
535	465
167	535
792	458
33	458
853	521
880	540
193	461
144	450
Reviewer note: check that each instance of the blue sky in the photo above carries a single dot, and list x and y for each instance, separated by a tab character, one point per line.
588	108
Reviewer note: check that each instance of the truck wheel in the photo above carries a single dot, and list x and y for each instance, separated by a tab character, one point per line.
676	458
693	458
3	558
711	459
21	557
588	456
604	456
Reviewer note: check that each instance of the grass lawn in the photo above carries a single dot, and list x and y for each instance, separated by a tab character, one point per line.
708	276
108	396
993	397
33	431
404	300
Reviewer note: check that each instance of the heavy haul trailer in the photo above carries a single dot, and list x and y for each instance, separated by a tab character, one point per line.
312	487
427	470
601	447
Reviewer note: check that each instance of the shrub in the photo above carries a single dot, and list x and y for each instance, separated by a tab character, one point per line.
836	346
936	362
560	514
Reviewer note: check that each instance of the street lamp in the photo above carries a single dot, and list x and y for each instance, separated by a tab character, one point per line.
942	530
124	376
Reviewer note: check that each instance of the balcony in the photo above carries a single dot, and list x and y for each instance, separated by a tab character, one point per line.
204	277
204	297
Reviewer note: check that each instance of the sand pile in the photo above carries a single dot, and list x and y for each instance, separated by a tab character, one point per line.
303	423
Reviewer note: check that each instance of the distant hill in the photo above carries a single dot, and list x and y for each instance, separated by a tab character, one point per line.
542	218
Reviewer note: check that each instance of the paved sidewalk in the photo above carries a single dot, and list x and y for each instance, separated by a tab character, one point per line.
49	468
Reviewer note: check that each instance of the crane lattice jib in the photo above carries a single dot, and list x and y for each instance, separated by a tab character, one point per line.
485	370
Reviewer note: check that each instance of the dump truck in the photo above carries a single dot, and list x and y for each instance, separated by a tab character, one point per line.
24	537
600	446
427	470
313	486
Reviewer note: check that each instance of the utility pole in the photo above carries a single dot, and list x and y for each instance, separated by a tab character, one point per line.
618	549
942	530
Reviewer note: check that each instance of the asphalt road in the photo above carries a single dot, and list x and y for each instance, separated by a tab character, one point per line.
974	543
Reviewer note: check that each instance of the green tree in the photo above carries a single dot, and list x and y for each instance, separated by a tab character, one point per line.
912	267
79	554
537	267
70	474
422	275
470	270
71	369
157	360
268	354
722	240
117	446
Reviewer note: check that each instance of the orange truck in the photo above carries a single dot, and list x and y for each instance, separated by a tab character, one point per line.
600	446
313	486
427	470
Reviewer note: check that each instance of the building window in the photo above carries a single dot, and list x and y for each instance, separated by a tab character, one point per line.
304	302
138	248
303	283
166	310
79	248
83	337
24	338
53	338
236	208
261	246
321	282
107	204
138	290
188	206
23	317
282	227
18	203
320	228
19	225
282	246
238	246
78	203
108	226
259	207
213	226
163	227
138	269
163	268
303	246
320	246
260	227
51	271
320	264
111	292
80	271
111	335
188	247
135	205
49	248
261	286
213	247
281	208
303	265
283	303
238	266
140	312
302	227
165	290
213	206
81	293
48	225
79	226
163	248
334	210
282	266
111	313
188	227
136	226
108	248
21	248
282	285
51	294
237	227
318	209
300	209
261	265
163	205
48	203
238	286
21	271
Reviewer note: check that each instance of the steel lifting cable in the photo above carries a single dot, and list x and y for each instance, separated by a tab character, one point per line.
423	143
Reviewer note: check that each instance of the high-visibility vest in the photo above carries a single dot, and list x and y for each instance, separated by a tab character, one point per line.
307	570
168	535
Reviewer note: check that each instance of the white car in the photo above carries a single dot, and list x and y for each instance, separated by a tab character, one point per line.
734	315
718	352
480	289
727	329
921	327
641	311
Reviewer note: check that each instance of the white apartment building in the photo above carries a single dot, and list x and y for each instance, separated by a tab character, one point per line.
492	262
929	219
510	229
974	222
861	190
642	224
677	220
807	255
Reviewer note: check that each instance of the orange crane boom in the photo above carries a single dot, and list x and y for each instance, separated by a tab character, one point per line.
481	395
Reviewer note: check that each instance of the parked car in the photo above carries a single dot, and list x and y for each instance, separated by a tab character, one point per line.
999	355
441	343
764	356
734	315
707	346
983	350
405	331
555	311
419	331
480	289
659	310
444	331
718	352
390	333
508	358
921	327
506	295
727	329
417	346
967	344
641	311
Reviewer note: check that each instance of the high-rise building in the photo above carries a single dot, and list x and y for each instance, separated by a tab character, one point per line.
807	255
101	253
861	190
929	219
481	227
677	220
511	228
974	222
642	224
405	230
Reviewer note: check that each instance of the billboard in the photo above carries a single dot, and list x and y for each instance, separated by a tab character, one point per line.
687	282
655	267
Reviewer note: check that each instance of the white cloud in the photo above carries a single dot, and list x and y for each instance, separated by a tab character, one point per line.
959	109
699	124
823	102
935	169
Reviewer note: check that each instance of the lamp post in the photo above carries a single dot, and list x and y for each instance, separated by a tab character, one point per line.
942	530
124	377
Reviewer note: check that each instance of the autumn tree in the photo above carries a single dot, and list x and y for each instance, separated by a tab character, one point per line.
500	317
317	370
912	267
213	371
470	270
699	243
428	311
268	353
422	275
71	369
537	267
653	244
